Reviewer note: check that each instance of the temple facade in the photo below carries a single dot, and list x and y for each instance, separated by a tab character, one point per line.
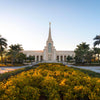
49	54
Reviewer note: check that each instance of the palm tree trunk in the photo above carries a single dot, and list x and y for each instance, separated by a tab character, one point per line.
5	61
12	61
98	57
1	59
94	57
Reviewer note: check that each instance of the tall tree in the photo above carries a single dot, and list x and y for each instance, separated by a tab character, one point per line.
3	45
97	40
81	52
14	51
89	56
96	53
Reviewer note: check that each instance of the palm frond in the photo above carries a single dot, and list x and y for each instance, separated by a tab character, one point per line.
96	43
97	37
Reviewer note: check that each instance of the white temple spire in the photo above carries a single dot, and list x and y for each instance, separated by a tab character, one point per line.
49	37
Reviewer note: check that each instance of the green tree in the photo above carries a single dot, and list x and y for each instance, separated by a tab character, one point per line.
14	51
81	52
3	45
96	53
30	58
69	58
5	56
97	40
21	57
89	56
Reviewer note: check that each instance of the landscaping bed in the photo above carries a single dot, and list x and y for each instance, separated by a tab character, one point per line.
51	82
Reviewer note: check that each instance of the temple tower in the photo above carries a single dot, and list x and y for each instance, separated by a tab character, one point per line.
49	52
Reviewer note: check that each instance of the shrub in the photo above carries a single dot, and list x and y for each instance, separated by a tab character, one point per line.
50	82
30	93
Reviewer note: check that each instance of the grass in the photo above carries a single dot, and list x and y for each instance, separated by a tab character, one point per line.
90	73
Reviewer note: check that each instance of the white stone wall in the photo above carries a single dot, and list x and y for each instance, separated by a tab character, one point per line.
71	53
32	53
36	54
61	54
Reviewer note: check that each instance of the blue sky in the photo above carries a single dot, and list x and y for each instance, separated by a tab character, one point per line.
27	22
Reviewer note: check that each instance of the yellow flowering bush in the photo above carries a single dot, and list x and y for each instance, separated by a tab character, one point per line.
50	82
30	93
50	88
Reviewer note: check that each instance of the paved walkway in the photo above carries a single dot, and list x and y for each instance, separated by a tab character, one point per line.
7	69
92	68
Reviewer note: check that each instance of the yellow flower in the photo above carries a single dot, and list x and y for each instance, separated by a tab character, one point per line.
74	73
63	82
98	81
78	88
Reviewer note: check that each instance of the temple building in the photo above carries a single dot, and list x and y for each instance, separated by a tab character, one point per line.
49	54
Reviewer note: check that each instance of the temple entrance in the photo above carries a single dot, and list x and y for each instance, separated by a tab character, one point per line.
49	57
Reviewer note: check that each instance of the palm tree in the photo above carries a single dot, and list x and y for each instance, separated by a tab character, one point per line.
97	40
14	51
5	56
96	52
89	56
81	52
3	45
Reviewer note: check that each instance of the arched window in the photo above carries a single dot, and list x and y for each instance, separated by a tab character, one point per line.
49	48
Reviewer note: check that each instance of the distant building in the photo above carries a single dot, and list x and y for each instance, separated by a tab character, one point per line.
49	54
